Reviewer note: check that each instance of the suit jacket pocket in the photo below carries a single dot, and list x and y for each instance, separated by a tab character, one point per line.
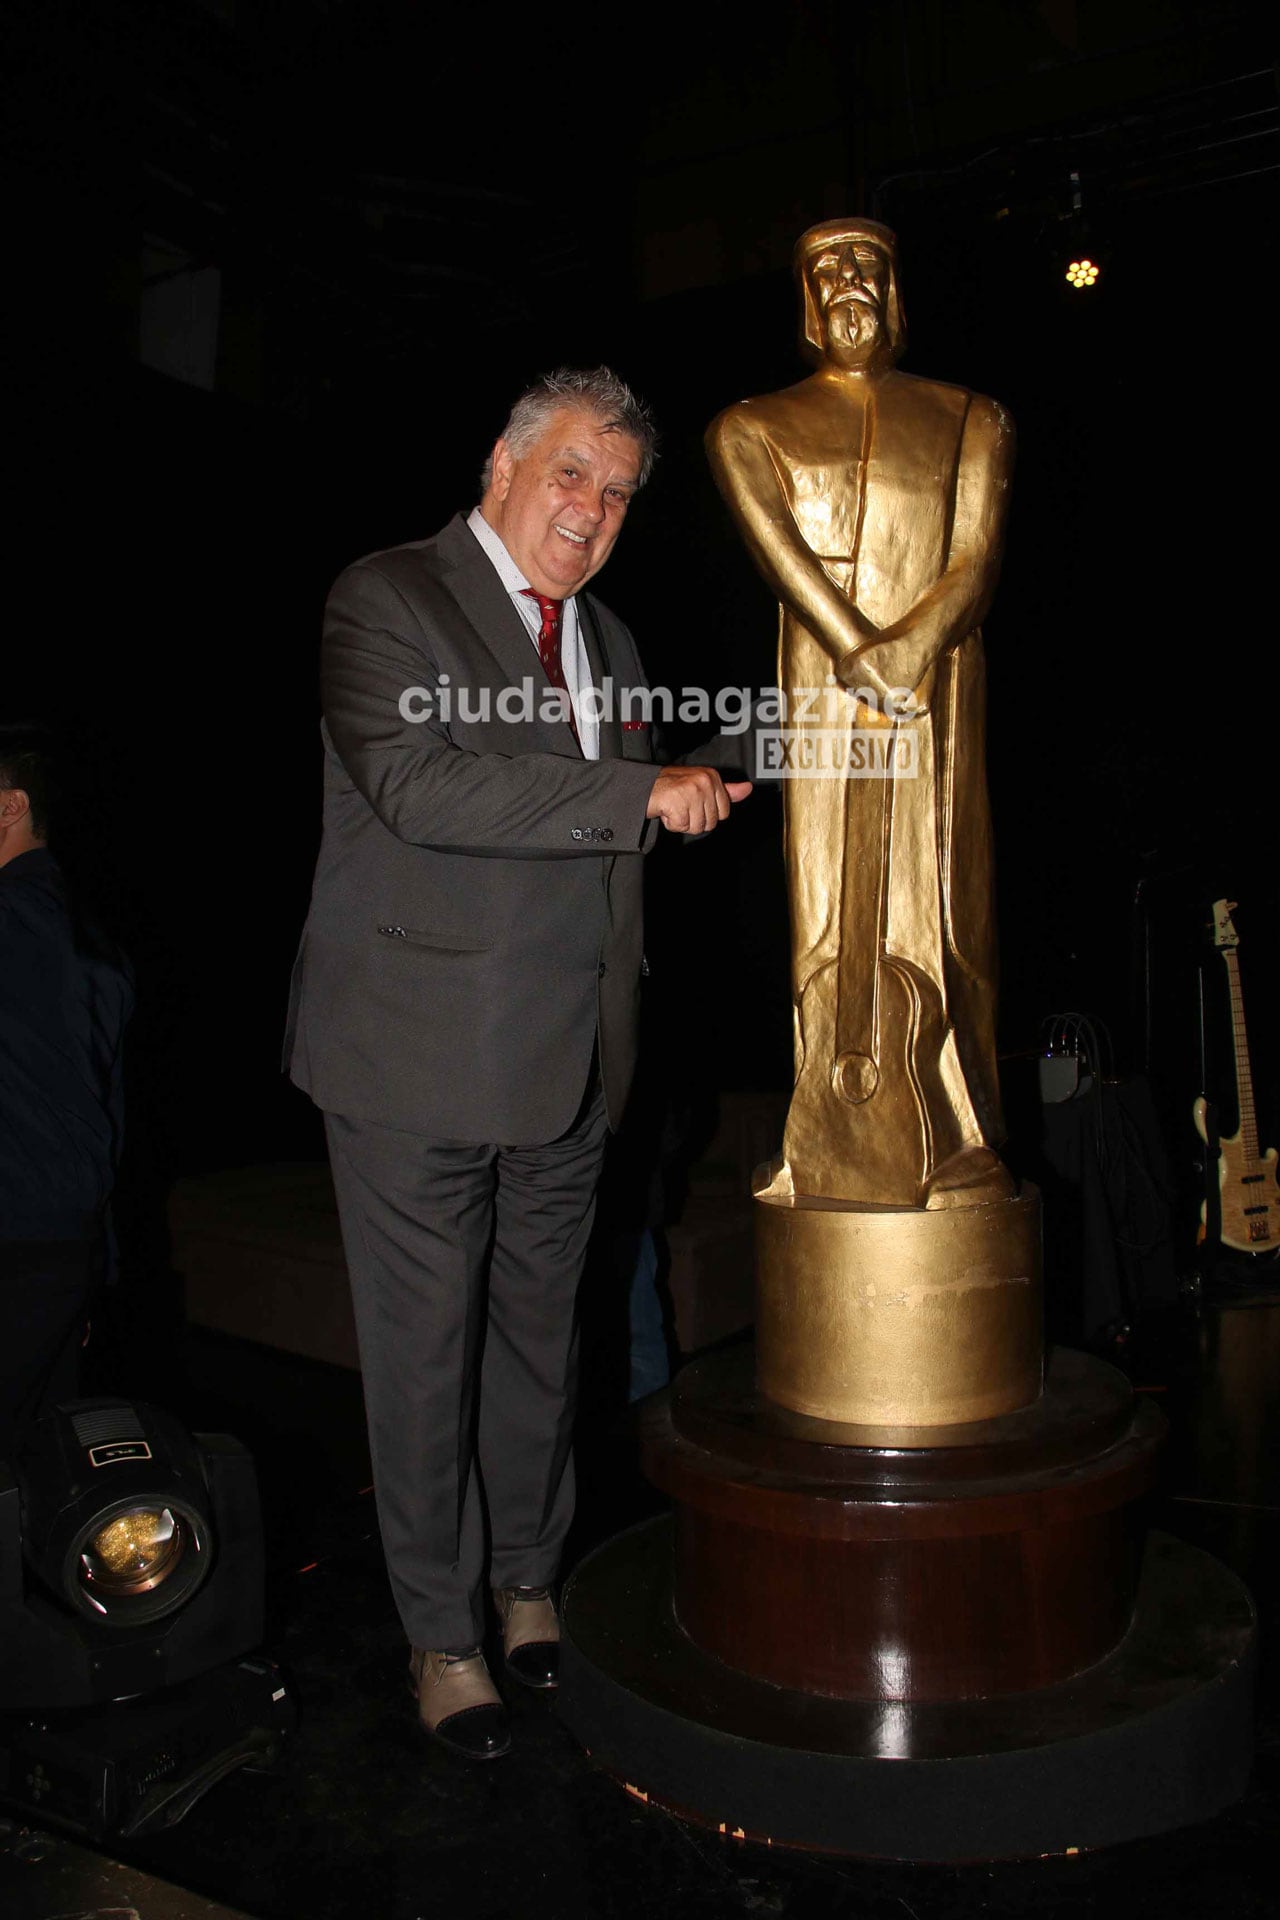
437	940
637	740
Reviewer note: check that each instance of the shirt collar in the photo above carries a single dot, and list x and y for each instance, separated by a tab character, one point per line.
504	566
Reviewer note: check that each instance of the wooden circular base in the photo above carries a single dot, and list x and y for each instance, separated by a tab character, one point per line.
1155	1736
949	1563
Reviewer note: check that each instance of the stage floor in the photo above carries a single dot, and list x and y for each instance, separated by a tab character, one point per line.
366	1819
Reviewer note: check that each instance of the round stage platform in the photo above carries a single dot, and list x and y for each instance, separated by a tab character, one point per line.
944	1643
1155	1736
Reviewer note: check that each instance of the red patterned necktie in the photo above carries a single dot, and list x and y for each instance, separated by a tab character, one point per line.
549	645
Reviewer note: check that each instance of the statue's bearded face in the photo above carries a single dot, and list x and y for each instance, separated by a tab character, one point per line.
849	282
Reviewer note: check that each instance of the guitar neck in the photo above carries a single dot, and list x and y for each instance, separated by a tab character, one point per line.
1244	1077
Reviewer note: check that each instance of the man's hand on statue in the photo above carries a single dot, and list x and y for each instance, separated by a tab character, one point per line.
693	799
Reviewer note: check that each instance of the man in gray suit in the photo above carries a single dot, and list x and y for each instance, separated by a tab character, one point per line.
465	1010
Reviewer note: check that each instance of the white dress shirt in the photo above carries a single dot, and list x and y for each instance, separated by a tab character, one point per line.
573	653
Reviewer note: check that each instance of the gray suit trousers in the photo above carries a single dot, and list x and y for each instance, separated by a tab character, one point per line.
464	1264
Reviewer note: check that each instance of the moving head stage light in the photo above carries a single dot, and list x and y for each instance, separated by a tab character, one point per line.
130	1556
131	1566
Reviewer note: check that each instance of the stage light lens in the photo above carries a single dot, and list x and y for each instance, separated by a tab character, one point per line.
133	1553
1083	273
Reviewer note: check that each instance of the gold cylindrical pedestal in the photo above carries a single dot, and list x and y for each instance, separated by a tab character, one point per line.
898	1317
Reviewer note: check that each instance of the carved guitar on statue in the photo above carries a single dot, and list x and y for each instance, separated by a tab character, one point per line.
1250	1205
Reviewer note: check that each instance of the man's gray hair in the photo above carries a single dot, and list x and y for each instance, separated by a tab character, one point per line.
597	391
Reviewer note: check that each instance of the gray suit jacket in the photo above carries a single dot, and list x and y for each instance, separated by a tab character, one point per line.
476	914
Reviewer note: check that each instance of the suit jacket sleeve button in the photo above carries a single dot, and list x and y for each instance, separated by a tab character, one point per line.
606	833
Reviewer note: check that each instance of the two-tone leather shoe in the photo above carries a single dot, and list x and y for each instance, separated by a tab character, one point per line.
458	1704
530	1634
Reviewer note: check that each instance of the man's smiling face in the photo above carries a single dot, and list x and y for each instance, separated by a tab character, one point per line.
559	507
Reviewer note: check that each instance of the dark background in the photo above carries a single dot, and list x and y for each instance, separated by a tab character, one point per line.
276	271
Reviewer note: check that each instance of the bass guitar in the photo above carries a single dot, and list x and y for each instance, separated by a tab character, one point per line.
1246	1178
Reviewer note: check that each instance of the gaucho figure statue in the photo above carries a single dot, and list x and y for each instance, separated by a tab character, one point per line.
873	502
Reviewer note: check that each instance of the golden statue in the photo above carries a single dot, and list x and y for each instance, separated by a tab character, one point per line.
898	1265
873	503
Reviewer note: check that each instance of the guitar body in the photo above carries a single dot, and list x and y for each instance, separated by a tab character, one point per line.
1247	1182
1249	1193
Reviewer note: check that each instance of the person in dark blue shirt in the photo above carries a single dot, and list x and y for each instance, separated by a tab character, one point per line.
65	996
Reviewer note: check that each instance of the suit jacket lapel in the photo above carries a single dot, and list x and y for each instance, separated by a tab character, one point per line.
610	722
485	601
